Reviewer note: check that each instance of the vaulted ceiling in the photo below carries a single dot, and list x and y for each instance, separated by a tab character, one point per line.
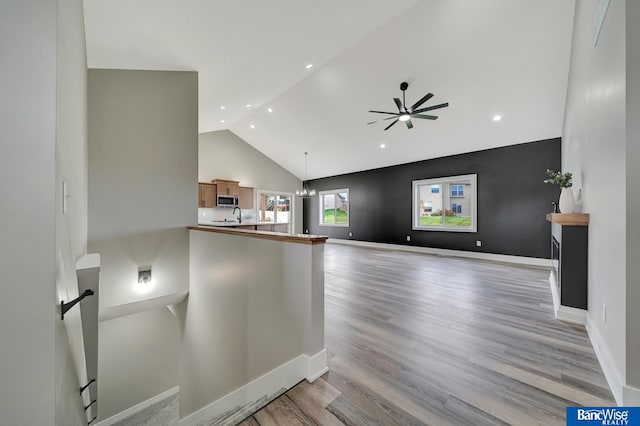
486	58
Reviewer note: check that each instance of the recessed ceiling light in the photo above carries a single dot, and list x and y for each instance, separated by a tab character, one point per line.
383	146
252	126
223	107
497	117
248	105
269	109
309	66
222	121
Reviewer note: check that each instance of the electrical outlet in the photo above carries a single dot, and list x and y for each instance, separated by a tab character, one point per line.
478	243
408	237
351	234
604	313
306	231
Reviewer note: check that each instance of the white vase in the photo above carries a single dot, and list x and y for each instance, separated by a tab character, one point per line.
567	203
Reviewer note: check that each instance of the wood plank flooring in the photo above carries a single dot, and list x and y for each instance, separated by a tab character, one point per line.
419	339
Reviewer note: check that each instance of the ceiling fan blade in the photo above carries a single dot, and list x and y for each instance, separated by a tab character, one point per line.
388	118
384	112
424	99
428	117
444	105
398	103
394	122
409	124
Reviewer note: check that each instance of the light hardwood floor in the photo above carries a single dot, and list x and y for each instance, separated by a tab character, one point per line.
420	339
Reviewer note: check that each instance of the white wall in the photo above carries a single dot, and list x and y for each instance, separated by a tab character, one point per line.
223	155
143	154
594	149
633	194
254	305
143	193
27	211
71	227
138	359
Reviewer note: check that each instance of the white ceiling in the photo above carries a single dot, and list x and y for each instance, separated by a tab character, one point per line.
507	57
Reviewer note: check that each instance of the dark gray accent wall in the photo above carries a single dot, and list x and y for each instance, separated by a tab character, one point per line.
512	201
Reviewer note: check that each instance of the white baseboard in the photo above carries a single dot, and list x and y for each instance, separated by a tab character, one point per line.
138	407
317	366
519	260
616	382
631	396
569	314
565	313
259	392
554	293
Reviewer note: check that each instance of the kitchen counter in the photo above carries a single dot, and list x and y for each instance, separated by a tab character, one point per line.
251	225
278	236
229	223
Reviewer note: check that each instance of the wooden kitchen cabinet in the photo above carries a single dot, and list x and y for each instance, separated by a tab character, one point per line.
227	187
206	195
281	227
246	197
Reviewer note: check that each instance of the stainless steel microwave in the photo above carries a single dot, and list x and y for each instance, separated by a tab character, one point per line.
227	200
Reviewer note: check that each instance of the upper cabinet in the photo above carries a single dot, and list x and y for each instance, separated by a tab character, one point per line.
206	195
227	187
246	197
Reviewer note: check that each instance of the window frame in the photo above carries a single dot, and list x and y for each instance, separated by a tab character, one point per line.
458	193
447	198
321	194
292	206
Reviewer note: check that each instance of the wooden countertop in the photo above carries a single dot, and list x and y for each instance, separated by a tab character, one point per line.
569	219
276	236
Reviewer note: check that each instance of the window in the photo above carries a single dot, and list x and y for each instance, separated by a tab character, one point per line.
334	207
274	207
431	197
457	190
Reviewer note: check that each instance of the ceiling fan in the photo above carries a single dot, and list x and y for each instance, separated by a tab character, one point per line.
406	114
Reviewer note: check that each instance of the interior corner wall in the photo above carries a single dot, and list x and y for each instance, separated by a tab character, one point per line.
593	150
143	193
633	194
138	359
512	201
223	155
27	243
71	226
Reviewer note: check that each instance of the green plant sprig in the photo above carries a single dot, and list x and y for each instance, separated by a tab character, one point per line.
563	180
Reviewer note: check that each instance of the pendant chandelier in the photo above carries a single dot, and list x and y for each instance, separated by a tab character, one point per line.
305	192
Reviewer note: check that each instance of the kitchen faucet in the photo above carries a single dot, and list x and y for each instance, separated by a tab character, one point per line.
239	214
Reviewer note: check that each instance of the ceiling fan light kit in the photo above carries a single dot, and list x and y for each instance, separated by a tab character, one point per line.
405	114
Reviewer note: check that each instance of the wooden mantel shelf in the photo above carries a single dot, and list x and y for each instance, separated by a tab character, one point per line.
569	219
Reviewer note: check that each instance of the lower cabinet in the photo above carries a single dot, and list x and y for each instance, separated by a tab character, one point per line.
283	227
276	227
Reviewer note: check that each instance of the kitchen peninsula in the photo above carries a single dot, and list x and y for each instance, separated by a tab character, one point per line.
261	296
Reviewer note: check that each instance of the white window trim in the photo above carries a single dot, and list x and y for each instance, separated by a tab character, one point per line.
260	192
321	210
415	208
